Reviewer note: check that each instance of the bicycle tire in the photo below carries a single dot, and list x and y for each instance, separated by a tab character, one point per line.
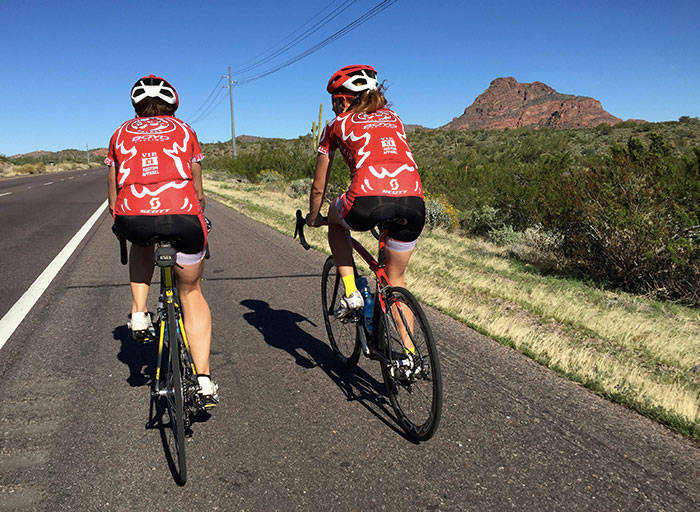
175	398
415	395
342	335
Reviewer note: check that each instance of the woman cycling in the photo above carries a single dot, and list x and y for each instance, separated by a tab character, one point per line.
384	182
155	188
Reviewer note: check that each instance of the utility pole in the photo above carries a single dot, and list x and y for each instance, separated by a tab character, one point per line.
230	85
88	153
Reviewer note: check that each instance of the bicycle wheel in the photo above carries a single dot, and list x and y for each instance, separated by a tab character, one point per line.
342	334
413	383
175	403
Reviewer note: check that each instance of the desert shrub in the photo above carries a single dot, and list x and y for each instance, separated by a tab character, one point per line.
30	168
217	174
481	221
300	187
540	248
633	219
505	235
440	213
269	176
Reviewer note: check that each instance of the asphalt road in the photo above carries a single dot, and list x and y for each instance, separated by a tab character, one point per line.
293	431
38	215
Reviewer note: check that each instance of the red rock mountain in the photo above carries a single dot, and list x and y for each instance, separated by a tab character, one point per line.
509	104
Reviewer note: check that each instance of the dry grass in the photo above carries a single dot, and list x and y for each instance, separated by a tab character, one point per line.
641	352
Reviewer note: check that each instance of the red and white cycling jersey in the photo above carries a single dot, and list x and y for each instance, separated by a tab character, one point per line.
375	148
153	157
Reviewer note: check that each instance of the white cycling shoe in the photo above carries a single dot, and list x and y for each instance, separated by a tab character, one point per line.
208	391
348	305
141	326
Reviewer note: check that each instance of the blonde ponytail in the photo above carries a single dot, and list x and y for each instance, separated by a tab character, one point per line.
369	101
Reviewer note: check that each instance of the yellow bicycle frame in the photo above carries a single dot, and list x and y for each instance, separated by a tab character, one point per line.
168	278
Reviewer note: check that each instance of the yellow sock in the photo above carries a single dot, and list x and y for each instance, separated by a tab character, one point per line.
407	350
349	283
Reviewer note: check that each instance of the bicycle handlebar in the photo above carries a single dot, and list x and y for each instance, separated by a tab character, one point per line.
122	245
122	250
299	230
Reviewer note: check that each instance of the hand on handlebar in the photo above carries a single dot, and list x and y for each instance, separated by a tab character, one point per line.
317	221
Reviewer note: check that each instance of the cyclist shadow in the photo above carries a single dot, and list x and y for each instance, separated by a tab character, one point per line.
140	358
280	329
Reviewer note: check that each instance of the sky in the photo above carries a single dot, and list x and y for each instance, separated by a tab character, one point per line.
69	65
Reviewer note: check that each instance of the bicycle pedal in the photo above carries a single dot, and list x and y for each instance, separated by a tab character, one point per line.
143	336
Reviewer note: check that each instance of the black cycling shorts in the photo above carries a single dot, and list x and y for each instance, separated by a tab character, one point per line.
404	217
184	231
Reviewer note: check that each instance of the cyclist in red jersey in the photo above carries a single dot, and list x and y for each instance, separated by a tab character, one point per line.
384	184
155	189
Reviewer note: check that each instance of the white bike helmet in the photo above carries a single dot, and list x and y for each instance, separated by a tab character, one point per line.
152	86
352	80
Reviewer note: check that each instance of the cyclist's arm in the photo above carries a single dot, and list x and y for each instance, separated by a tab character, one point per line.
112	188
318	189
197	179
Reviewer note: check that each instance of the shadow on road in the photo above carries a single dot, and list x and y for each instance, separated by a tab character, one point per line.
139	357
281	329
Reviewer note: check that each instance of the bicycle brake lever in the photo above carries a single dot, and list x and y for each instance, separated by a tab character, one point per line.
299	230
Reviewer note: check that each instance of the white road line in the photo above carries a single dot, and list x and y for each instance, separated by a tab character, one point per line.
5	194
49	183
16	314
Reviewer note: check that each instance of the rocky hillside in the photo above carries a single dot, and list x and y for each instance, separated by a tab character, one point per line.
509	104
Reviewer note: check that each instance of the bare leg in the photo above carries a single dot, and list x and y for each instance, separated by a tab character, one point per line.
141	266
396	263
339	241
197	316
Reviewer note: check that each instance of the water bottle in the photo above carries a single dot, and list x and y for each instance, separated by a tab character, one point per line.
368	298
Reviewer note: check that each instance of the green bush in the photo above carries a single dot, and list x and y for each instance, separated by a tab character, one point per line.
633	219
540	248
505	236
30	168
269	176
439	213
481	221
300	187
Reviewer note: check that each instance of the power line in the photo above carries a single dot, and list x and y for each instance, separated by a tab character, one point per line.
201	107
210	104
337	35
295	41
211	108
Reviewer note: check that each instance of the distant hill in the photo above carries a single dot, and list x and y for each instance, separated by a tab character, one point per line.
508	103
32	154
65	154
413	127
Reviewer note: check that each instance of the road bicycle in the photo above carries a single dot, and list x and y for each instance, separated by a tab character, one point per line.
384	333
174	390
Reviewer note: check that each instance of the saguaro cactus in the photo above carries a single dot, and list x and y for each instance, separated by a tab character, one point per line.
314	135
316	128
